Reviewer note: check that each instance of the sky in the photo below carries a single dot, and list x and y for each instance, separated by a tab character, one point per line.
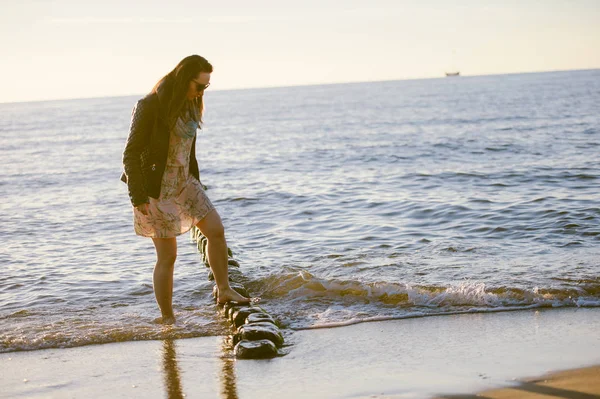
58	49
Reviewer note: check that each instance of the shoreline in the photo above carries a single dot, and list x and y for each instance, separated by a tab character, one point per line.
426	315
426	357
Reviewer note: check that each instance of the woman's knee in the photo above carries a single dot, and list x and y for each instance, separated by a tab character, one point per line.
212	227
166	251
166	259
216	233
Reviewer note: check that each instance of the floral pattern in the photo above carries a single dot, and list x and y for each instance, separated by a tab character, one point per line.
182	202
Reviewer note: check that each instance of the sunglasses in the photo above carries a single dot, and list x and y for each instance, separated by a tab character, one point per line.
200	86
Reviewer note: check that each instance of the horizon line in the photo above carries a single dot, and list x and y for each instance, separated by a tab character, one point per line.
308	85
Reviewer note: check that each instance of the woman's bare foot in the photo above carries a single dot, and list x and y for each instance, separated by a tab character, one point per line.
229	295
167	320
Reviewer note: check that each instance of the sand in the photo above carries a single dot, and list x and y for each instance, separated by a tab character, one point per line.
429	357
581	383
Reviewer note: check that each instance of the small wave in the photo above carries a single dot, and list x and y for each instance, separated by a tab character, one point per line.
144	289
26	331
499	149
304	286
20	313
240	199
305	301
583	176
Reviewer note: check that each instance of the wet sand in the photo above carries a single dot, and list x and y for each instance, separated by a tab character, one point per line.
440	357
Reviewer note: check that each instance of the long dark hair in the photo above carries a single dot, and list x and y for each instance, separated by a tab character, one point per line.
172	88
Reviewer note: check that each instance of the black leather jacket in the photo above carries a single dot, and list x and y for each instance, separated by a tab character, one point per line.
145	154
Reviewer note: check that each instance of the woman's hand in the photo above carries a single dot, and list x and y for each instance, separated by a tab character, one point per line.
143	208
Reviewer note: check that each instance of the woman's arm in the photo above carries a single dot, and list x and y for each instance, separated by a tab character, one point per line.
142	120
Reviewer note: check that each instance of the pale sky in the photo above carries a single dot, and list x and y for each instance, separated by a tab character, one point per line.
77	48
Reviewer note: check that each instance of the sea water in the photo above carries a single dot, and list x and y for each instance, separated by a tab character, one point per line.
342	203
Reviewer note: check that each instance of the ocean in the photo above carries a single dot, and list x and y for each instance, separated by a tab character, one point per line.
343	203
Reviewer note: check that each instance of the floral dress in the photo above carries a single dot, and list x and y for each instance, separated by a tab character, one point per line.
182	202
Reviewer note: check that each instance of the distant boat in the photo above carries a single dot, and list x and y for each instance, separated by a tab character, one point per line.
448	74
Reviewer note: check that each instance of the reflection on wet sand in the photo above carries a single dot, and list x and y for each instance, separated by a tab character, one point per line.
171	371
227	375
172	374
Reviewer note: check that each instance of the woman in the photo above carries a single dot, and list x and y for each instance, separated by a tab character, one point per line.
163	180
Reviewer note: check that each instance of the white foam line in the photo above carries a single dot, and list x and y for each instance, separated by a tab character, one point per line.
420	314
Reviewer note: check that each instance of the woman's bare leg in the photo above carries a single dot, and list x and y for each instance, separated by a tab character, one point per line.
216	248
166	253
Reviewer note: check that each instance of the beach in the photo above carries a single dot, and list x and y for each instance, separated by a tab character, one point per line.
406	199
439	356
420	197
463	212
